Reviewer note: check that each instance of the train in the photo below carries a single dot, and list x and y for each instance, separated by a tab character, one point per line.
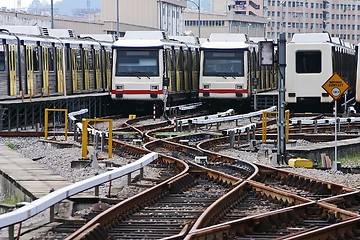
311	59
218	71
152	68
40	62
145	68
230	71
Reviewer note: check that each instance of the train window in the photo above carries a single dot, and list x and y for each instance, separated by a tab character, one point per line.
140	63
2	61
36	58
51	57
224	63
90	60
308	62
78	60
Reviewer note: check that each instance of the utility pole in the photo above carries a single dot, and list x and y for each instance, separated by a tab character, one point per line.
52	13
117	18
281	141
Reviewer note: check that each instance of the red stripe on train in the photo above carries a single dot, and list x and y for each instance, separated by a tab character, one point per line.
137	92
222	91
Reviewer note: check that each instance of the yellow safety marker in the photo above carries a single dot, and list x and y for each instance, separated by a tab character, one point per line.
84	142
47	110
264	125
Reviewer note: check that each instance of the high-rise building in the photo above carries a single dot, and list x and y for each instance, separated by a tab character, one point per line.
339	18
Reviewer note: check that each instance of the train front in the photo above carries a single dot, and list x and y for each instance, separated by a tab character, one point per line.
224	69
137	67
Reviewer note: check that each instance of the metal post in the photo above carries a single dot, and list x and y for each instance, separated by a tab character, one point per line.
283	2
281	141
199	16
335	153
198	7
117	18
160	15
232	139
52	14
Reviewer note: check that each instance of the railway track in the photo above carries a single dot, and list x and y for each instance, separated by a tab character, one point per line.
283	204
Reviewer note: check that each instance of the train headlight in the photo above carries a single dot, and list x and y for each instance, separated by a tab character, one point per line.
206	86
119	87
154	87
238	87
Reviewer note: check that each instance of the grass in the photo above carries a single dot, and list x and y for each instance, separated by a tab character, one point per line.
353	158
10	200
10	145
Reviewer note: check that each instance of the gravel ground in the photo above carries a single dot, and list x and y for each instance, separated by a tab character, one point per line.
338	177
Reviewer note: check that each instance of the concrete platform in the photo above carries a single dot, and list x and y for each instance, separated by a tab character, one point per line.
344	148
28	176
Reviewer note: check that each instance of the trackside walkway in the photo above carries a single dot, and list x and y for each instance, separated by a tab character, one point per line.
26	175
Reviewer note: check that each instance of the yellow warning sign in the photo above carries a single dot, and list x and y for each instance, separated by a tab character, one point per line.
335	86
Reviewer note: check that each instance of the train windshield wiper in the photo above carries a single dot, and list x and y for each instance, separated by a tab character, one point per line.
140	74
220	74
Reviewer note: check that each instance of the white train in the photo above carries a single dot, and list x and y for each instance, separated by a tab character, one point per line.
230	70
148	67
312	58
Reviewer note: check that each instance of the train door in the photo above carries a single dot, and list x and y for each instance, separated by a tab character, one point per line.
187	79
45	70
29	70
74	69
97	69
12	70
4	73
60	70
195	69
86	75
108	60
179	70
170	66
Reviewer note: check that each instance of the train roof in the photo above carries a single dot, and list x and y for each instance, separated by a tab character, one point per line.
100	37
228	37
137	43
148	35
148	39
24	30
311	38
186	39
61	33
227	41
259	39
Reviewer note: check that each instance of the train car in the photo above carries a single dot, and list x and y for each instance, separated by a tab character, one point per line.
150	68
230	71
34	63
312	58
87	61
28	63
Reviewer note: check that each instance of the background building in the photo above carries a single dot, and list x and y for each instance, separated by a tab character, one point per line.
253	26
339	18
258	18
151	14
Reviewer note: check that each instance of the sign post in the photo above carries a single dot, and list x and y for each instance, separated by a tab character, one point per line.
335	86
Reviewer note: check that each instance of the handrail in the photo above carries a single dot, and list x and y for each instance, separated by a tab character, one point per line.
41	204
326	121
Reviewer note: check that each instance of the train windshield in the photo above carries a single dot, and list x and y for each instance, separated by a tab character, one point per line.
135	62
308	62
227	63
